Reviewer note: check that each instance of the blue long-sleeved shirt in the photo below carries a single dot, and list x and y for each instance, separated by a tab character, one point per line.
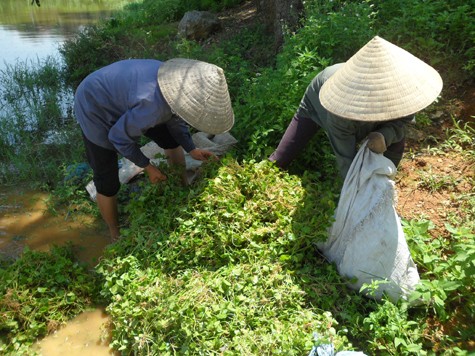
117	104
345	134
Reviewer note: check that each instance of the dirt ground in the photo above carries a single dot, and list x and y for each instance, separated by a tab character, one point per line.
431	183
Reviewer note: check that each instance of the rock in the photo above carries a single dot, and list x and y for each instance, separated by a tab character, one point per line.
12	250
437	115
198	25
412	133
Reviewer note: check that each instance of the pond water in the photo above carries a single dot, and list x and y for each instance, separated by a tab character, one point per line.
30	34
80	337
25	221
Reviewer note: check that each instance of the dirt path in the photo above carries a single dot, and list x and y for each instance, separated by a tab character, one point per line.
434	182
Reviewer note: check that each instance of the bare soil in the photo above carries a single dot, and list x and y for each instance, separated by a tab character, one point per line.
432	183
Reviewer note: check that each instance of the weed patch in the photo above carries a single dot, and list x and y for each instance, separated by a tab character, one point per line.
40	292
226	273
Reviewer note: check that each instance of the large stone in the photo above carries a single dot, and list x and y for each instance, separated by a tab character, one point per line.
198	25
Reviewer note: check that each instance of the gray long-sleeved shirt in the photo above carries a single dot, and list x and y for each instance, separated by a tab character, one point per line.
117	104
345	134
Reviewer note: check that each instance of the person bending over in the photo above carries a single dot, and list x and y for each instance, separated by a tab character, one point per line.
371	96
118	104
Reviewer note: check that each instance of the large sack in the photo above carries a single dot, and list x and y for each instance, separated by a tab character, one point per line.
366	241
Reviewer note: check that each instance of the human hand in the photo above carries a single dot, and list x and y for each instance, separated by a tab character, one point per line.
202	155
154	174
376	142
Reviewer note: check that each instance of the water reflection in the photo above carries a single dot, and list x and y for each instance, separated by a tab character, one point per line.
28	32
27	46
57	13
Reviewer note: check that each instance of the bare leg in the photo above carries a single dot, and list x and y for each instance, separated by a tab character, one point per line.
176	158
110	213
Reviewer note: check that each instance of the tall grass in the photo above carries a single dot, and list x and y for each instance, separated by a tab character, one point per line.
38	134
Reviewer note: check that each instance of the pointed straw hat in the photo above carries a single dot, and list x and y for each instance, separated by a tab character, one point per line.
380	82
198	93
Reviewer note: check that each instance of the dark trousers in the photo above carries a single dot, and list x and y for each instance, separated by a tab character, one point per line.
301	130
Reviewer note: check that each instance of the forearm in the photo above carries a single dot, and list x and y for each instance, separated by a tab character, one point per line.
131	151
124	136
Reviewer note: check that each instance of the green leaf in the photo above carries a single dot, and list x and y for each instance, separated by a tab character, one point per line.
398	341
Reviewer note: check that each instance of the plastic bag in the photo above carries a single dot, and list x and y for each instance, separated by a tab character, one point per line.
326	349
366	241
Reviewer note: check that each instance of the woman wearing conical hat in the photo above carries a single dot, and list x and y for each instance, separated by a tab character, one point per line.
118	104
373	95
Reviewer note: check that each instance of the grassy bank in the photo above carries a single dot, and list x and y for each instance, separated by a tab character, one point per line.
231	266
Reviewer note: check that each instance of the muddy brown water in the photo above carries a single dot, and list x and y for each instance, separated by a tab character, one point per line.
26	222
82	336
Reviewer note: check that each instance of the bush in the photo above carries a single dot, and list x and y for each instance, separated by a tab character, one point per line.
439	32
143	30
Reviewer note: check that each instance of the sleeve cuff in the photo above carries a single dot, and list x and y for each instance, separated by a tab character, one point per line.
188	145
142	162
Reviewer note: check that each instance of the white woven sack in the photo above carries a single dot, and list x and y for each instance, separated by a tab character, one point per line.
366	241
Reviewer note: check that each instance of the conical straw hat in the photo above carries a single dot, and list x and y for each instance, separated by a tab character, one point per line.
198	93
380	82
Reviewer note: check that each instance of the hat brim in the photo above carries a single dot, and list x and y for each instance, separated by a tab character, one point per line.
380	82
198	93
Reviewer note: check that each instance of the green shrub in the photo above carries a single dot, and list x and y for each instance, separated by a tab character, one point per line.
336	29
268	99
448	267
142	30
440	32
